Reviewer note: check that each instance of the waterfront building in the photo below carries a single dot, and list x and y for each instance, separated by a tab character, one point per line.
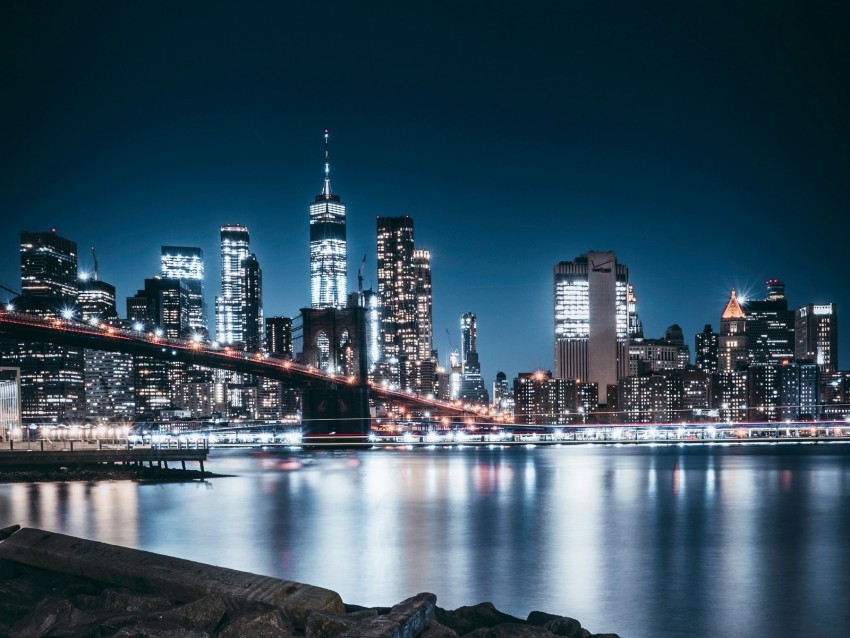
542	400
729	395
187	263
816	336
328	256
770	326
706	350
732	343
783	391
108	376
397	292
425	364
835	395
472	388
52	381
651	398
592	320
10	402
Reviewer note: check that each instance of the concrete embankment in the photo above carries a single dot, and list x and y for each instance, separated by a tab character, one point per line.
57	585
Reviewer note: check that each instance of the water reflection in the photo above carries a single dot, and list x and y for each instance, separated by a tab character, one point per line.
662	541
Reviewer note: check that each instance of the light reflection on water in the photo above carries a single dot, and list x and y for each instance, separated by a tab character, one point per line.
661	541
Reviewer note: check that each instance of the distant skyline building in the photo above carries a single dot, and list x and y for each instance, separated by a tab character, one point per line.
49	268
732	351
397	292
816	335
235	247
635	325
253	321
279	342
472	388
706	350
592	320
328	248
770	326
52	377
187	263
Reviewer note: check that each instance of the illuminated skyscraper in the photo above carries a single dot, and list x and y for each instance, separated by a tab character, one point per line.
52	384
592	320
253	322
816	335
235	242
706	349
472	384
397	291
770	326
732	342
328	262
424	324
187	263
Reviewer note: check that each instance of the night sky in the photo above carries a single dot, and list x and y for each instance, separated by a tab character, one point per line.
707	144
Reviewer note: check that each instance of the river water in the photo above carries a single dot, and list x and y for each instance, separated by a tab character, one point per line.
671	540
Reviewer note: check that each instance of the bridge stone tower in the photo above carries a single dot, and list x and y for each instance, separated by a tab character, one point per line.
334	340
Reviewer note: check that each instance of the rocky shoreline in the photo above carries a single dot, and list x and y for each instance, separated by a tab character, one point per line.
38	603
118	472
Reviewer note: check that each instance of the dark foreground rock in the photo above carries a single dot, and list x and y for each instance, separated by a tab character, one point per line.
39	603
39	474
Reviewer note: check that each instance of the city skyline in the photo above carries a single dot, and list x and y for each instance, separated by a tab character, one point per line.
715	157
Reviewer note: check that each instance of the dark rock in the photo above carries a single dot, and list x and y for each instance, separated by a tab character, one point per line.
582	633
604	636
362	614
159	629
123	600
518	630
540	618
481	632
258	624
378	627
414	614
563	626
6	532
437	630
52	616
466	619
321	624
205	613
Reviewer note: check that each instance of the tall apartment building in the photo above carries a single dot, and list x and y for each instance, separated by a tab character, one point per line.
770	326
52	379
592	320
187	263
397	292
328	257
706	350
816	336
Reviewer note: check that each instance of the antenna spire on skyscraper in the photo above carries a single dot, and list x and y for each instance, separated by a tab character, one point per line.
326	191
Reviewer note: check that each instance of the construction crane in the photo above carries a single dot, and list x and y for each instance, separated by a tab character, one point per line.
94	259
360	277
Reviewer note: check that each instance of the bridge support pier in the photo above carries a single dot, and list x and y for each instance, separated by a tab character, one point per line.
339	414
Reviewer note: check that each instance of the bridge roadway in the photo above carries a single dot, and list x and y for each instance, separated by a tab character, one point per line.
27	327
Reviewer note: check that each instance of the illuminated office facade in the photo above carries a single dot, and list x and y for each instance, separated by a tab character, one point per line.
816	336
397	292
328	258
235	244
472	389
187	263
52	383
770	326
592	320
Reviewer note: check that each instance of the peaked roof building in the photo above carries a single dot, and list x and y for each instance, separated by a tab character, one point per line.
732	343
